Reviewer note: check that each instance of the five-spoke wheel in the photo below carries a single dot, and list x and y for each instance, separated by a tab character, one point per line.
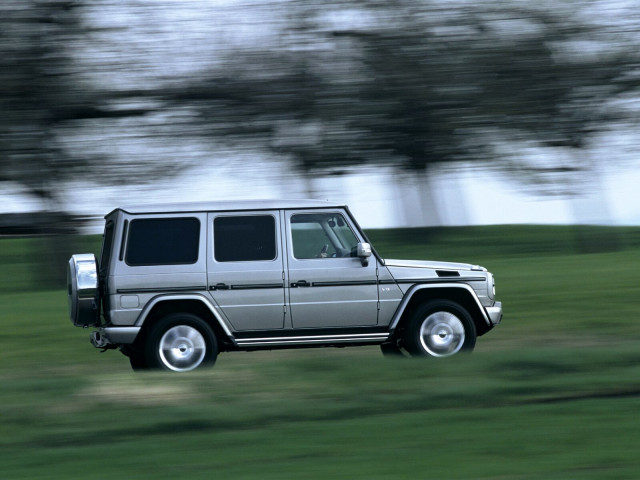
439	328
181	343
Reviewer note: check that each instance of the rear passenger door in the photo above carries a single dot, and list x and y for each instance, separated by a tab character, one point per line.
245	268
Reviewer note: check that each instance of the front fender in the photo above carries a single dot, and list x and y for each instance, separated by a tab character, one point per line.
446	290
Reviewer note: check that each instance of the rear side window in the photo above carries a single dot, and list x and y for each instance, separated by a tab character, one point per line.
163	241
107	242
244	238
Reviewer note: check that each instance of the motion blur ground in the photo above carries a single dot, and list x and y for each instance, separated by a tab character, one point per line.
553	393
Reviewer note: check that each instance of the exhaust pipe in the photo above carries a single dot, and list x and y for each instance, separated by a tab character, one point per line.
98	341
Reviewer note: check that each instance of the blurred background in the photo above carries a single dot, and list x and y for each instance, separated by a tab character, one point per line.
416	114
443	125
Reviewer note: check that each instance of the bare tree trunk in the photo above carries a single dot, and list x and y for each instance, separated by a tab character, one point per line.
455	210
309	188
417	200
590	207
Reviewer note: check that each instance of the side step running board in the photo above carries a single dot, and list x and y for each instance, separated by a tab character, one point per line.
315	339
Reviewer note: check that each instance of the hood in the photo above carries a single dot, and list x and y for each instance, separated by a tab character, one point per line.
433	265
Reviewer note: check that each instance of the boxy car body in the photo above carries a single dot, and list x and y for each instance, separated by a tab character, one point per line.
176	284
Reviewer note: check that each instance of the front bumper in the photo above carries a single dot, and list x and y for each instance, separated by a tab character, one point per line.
495	313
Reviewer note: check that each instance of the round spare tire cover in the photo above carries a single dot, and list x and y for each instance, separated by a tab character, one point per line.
83	291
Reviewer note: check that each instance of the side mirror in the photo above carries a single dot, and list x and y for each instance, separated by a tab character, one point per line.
364	252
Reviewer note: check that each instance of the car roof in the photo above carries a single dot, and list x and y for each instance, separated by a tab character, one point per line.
229	205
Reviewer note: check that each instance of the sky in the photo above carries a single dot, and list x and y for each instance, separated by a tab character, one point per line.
465	197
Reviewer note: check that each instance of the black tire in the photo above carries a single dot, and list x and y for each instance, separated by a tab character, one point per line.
136	357
439	328
138	363
391	350
181	342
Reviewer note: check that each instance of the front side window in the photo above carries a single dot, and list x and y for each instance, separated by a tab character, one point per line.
244	238
163	241
322	235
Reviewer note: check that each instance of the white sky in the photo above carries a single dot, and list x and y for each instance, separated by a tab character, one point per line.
466	197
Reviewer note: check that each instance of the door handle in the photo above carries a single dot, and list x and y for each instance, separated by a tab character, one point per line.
219	286
301	283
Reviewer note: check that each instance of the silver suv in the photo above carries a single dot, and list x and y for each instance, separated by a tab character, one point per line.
177	284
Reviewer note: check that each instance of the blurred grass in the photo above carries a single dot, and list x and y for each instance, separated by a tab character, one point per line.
23	259
552	393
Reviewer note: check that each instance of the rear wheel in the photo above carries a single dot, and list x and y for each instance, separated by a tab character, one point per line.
440	328
136	358
181	342
138	363
391	350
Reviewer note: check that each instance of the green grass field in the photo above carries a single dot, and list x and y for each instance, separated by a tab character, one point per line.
552	393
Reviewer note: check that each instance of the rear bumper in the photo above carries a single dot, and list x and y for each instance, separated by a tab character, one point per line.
114	336
495	313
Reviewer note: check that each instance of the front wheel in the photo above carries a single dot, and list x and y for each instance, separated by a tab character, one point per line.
181	342
440	328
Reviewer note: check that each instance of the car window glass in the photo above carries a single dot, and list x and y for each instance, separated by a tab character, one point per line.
244	238
163	241
107	242
322	235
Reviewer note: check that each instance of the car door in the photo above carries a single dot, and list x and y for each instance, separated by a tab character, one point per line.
328	284
245	269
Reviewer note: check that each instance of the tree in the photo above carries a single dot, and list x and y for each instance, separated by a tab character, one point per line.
541	87
283	98
333	99
452	83
52	113
552	83
45	102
